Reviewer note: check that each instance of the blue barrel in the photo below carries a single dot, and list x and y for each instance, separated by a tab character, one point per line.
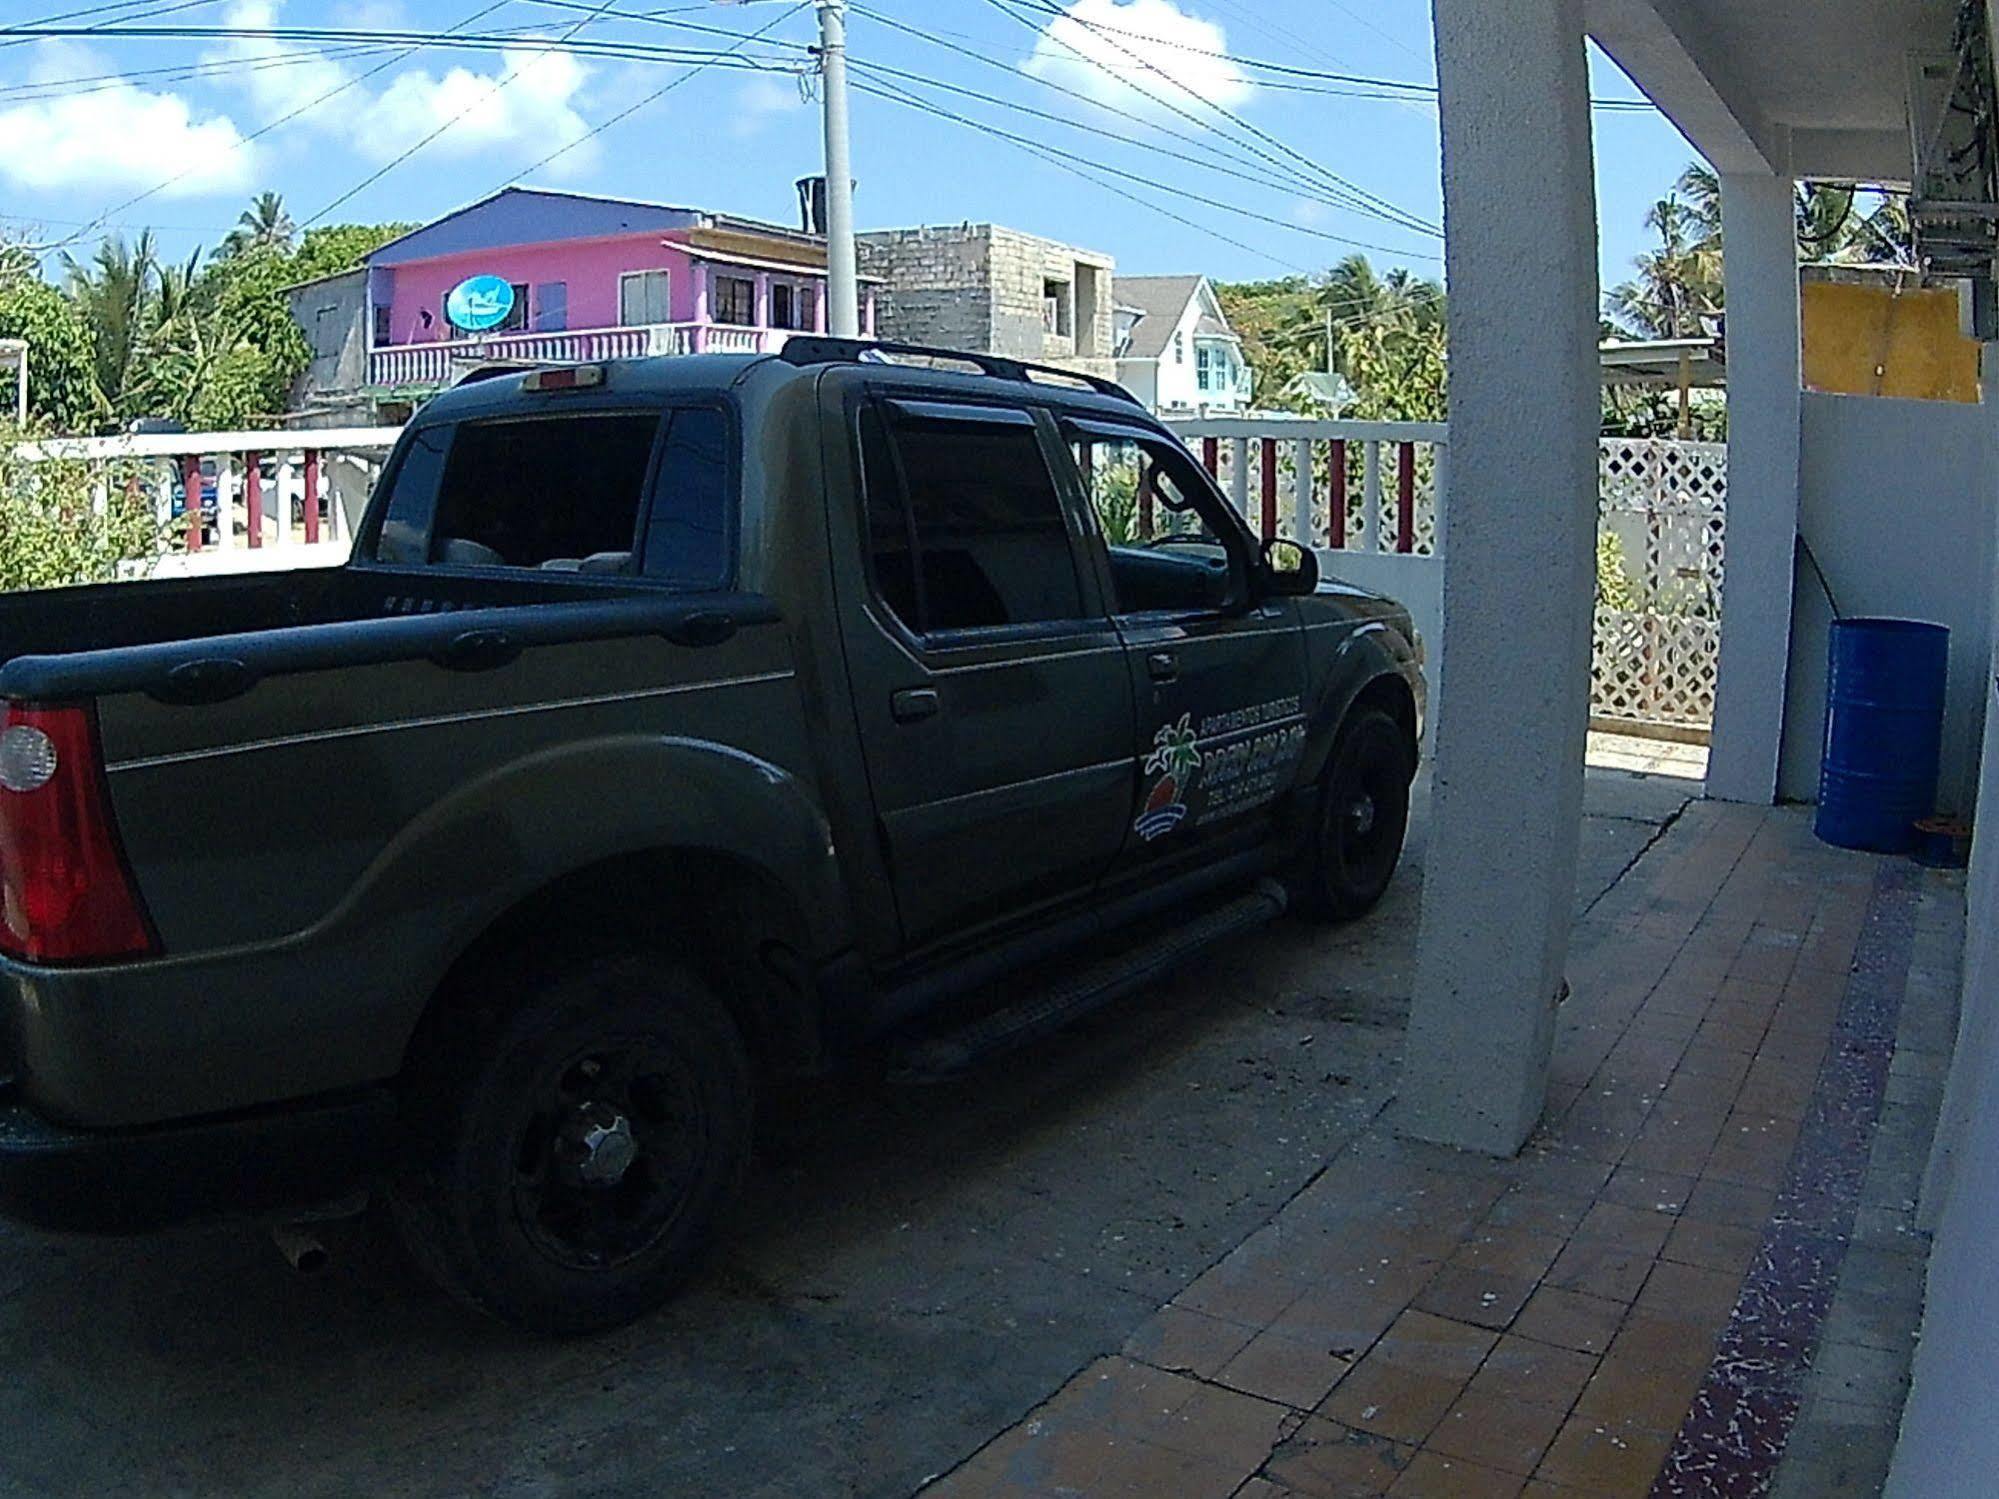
1883	732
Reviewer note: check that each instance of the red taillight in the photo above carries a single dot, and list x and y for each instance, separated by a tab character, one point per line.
65	893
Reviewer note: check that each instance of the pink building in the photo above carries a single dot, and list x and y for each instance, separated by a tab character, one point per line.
592	278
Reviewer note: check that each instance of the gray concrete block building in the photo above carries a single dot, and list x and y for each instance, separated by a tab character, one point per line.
989	289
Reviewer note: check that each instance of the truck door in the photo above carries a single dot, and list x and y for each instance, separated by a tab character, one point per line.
1218	676
991	690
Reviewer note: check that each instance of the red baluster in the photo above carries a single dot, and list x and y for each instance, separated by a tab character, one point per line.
1405	497
1145	517
1211	455
311	496
1337	500
253	496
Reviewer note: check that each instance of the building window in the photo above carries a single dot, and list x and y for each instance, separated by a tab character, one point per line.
384	328
733	299
1203	361
644	298
793	305
551	307
1179	349
1057	308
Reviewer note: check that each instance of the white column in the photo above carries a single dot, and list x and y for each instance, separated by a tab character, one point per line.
1519	547
1760	267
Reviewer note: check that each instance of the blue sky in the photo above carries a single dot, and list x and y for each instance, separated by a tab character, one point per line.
81	140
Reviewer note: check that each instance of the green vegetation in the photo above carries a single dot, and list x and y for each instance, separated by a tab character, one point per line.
68	520
209	341
1383	334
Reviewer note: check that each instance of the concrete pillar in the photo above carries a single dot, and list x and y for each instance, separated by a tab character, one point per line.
1765	377
1519	551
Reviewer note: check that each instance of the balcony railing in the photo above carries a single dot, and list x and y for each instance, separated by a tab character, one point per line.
438	364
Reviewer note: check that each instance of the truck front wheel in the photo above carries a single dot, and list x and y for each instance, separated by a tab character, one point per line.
571	1142
1363	814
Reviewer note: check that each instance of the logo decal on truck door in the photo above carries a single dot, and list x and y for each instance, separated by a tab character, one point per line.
1175	757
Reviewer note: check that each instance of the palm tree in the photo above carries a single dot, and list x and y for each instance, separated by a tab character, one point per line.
115	293
1679	283
1353	295
264	224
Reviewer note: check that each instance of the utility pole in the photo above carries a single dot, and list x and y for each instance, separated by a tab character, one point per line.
843	305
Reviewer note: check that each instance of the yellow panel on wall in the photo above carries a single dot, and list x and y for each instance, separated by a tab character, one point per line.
1876	341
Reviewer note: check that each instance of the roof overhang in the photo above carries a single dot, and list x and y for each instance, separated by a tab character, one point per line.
1769	86
1664	363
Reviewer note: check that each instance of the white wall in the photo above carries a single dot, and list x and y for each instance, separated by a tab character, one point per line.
1949	1447
1175	389
1896	500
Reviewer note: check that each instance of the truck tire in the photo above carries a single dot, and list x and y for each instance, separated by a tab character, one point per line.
1362	817
573	1141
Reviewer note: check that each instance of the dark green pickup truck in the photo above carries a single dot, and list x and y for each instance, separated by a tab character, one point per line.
679	728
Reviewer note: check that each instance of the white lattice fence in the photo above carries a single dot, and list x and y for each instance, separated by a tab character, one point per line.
1662	517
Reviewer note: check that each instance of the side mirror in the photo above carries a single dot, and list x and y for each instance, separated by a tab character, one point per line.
1289	569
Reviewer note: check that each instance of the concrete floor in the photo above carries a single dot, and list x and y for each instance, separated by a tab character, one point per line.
925	1266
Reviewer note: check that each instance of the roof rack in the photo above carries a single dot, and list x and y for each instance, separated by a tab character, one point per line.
818	348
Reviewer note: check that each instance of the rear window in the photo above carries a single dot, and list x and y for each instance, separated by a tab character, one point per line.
567	493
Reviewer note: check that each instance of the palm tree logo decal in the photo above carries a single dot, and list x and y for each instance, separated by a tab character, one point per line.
1175	756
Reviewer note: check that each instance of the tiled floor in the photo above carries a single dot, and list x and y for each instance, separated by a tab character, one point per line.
1713	1234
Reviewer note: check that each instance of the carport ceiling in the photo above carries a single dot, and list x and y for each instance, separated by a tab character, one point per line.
1812	86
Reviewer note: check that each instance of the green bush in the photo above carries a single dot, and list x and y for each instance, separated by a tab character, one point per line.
68	520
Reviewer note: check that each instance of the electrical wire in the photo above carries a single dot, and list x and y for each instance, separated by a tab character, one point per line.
1202	142
1364	201
659	93
986	128
498	87
263	130
1258	180
1068	166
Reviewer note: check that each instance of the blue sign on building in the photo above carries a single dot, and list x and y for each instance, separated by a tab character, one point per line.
479	302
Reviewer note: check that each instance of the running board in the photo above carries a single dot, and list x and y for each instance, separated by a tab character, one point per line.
1043	1011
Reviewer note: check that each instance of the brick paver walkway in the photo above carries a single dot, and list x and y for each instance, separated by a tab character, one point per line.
1418	1322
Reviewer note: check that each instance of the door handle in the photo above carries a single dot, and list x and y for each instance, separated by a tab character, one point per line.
1162	666
913	704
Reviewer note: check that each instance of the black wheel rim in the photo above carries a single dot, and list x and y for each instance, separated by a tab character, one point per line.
1364	820
608	1153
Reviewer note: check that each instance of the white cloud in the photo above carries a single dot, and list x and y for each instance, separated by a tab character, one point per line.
1145	57
535	111
278	76
762	99
117	138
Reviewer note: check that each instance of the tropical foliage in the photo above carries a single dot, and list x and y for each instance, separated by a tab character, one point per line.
208	341
1382	333
65	520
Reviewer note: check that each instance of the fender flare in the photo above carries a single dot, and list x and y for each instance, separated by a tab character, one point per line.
494	841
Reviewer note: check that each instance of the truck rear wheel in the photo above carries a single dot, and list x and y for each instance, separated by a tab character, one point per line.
1363	815
573	1142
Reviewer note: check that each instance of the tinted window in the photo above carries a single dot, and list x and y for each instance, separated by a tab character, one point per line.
971	533
553	490
687	539
406	523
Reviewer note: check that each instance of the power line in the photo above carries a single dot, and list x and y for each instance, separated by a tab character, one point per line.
498	87
902	97
1380	207
1253	178
633	109
1202	142
986	128
266	130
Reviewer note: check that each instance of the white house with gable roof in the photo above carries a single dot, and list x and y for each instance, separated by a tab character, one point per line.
1175	349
